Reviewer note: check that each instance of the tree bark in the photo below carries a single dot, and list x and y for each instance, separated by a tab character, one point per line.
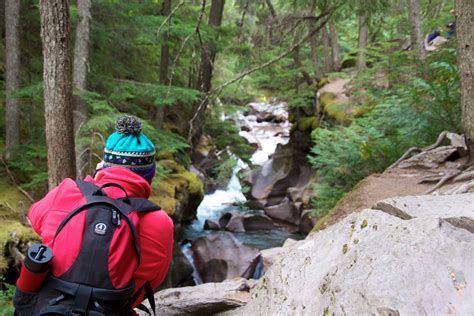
416	35
57	80
465	49
2	18
164	65
81	62
12	73
327	51
208	55
336	50
362	43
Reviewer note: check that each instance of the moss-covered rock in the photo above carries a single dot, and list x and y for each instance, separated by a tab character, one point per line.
307	123
326	98
321	83
179	192
341	112
11	228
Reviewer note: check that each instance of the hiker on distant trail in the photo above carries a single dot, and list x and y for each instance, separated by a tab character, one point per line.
112	247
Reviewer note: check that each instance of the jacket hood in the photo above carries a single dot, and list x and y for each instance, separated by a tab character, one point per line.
135	185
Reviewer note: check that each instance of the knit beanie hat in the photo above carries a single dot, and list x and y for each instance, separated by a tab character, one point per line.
128	147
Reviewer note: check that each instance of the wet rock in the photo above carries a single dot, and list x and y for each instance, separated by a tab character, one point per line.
307	221
285	211
258	222
251	140
220	256
211	225
374	263
245	128
180	272
236	224
224	219
204	299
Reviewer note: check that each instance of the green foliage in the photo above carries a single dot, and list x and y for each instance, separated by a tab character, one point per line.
406	115
7	292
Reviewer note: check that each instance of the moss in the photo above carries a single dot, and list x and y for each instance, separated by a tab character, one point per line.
321	83
10	198
364	224
168	190
308	123
13	231
292	117
342	112
345	248
326	98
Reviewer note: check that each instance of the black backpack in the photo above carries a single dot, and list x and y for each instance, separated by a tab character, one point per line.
86	288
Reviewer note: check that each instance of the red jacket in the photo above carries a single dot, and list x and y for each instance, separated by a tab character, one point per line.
155	229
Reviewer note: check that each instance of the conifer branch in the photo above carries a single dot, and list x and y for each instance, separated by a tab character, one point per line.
169	17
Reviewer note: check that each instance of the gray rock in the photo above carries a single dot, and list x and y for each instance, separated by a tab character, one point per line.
307	221
258	222
211	225
285	211
442	206
236	224
220	256
372	263
204	299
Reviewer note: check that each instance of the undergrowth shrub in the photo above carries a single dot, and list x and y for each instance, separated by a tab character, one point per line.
406	115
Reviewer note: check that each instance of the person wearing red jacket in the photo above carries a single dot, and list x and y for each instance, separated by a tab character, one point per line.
129	162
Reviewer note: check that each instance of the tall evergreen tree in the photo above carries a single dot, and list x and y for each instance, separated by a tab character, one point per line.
57	78
465	48
80	69
12	82
362	41
208	55
416	35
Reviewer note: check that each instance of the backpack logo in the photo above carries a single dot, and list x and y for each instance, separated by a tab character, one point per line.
100	229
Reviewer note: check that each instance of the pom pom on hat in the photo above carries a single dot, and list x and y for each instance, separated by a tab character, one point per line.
128	147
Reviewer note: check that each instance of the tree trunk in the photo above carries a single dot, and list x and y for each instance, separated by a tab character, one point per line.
465	49
327	52
400	10
164	65
208	55
314	55
12	73
336	50
362	43
57	80
2	18
415	28
81	61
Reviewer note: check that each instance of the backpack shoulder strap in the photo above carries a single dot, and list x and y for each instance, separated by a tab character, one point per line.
86	188
143	205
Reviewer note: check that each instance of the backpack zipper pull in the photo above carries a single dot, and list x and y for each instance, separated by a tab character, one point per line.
115	218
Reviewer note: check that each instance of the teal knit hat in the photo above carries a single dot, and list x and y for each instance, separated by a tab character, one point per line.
128	147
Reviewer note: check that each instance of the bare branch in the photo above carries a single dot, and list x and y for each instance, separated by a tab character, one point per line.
169	17
181	49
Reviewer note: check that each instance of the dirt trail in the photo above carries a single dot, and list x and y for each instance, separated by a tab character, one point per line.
392	183
338	87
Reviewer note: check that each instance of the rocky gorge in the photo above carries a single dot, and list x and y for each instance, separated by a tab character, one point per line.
391	247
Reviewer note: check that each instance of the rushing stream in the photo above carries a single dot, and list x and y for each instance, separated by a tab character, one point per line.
268	136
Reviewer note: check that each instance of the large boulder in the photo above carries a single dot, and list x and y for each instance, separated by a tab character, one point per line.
235	222
220	256
204	299
286	211
375	263
180	272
